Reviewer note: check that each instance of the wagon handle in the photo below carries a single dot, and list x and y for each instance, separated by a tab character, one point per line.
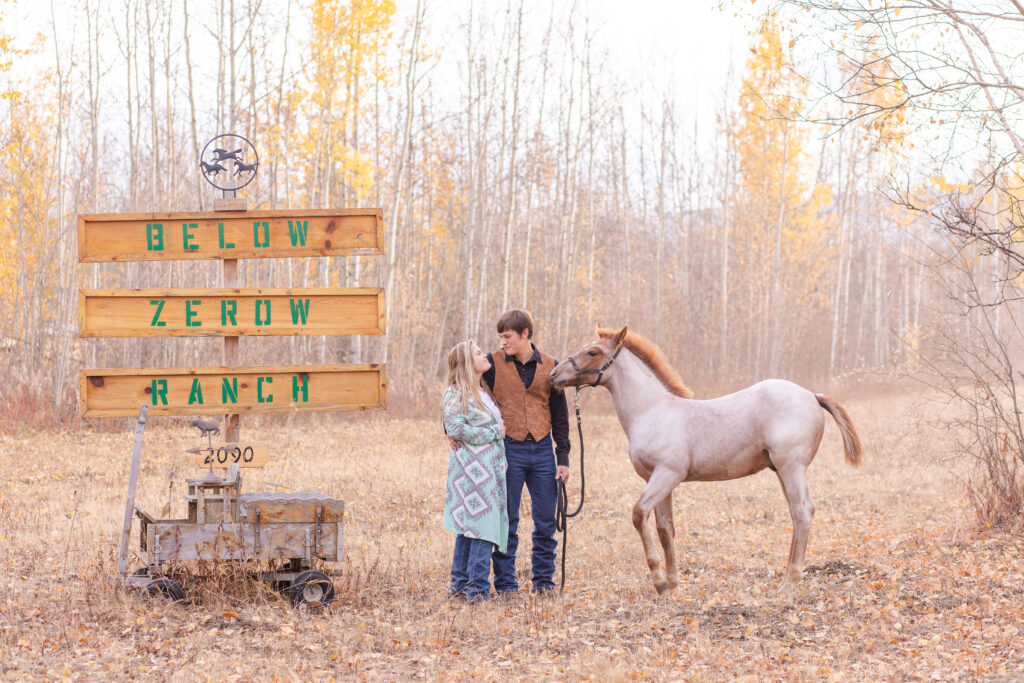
129	505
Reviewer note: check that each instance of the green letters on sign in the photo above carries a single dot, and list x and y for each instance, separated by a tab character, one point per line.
297	231
157	322
190	314
269	398
229	390
195	395
187	237
228	309
300	309
155	236
220	235
260	320
300	384
158	391
256	241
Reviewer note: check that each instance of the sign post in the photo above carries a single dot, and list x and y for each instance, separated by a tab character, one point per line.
235	158
230	233
232	421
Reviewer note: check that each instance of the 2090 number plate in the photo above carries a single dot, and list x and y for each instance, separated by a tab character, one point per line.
241	454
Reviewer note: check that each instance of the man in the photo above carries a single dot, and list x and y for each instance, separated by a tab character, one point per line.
534	416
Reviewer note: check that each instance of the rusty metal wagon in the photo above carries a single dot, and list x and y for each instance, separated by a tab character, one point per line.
291	532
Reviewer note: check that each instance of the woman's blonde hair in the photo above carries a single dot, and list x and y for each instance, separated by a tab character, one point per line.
461	376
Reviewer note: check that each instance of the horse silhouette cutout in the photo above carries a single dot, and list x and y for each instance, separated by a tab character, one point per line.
240	166
224	155
211	168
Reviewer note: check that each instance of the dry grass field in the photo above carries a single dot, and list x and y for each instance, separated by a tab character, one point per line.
900	584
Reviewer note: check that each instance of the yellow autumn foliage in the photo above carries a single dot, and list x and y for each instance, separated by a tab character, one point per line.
347	46
27	228
778	204
7	53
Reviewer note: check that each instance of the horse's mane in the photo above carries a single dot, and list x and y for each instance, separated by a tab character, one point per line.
653	357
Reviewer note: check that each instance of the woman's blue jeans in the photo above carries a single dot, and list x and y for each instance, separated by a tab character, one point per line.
471	567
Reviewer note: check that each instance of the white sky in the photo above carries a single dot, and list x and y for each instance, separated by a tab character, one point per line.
688	39
690	42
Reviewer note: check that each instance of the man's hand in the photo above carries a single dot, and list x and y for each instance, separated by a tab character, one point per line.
562	474
453	443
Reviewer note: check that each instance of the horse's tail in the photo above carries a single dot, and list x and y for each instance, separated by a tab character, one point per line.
851	442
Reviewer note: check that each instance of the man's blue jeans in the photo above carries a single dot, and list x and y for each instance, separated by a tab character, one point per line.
471	567
531	463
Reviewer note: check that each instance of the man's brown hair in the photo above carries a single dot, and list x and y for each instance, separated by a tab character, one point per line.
516	320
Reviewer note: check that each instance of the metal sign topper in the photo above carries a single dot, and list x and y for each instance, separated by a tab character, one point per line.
229	162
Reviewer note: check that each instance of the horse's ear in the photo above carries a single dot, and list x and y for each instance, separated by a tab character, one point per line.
621	336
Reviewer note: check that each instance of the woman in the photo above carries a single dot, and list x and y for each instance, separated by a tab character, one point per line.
475	503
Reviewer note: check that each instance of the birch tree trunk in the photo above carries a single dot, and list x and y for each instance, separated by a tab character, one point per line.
513	172
411	82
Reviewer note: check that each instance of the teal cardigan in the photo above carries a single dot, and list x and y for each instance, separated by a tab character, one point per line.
476	497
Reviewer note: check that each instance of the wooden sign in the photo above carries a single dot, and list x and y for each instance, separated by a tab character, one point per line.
212	391
229	312
228	235
241	454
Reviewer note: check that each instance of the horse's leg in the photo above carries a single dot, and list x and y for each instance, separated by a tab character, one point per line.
666	534
801	508
660	484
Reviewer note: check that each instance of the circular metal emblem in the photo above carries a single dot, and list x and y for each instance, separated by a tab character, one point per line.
229	162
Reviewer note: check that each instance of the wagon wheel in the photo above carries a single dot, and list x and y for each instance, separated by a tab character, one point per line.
166	588
311	588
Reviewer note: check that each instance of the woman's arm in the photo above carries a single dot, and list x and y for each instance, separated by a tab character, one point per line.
456	423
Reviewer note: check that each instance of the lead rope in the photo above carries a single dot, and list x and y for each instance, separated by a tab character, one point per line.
562	513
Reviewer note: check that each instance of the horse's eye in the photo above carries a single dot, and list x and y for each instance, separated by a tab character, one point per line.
591	353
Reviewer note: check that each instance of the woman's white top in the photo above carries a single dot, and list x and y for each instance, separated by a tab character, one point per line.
490	404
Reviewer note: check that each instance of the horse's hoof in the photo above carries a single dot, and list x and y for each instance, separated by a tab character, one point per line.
787	588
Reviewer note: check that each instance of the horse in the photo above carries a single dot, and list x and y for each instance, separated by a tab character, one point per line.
211	168
674	438
223	154
251	168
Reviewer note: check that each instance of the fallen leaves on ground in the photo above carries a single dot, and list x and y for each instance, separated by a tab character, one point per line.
899	583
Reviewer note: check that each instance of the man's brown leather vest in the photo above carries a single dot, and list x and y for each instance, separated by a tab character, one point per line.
525	411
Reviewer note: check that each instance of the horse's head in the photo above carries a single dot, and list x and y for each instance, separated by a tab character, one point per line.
587	366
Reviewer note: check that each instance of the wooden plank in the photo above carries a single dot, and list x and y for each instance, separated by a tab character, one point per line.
228	235
183	541
255	455
229	312
230	204
220	390
286	507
